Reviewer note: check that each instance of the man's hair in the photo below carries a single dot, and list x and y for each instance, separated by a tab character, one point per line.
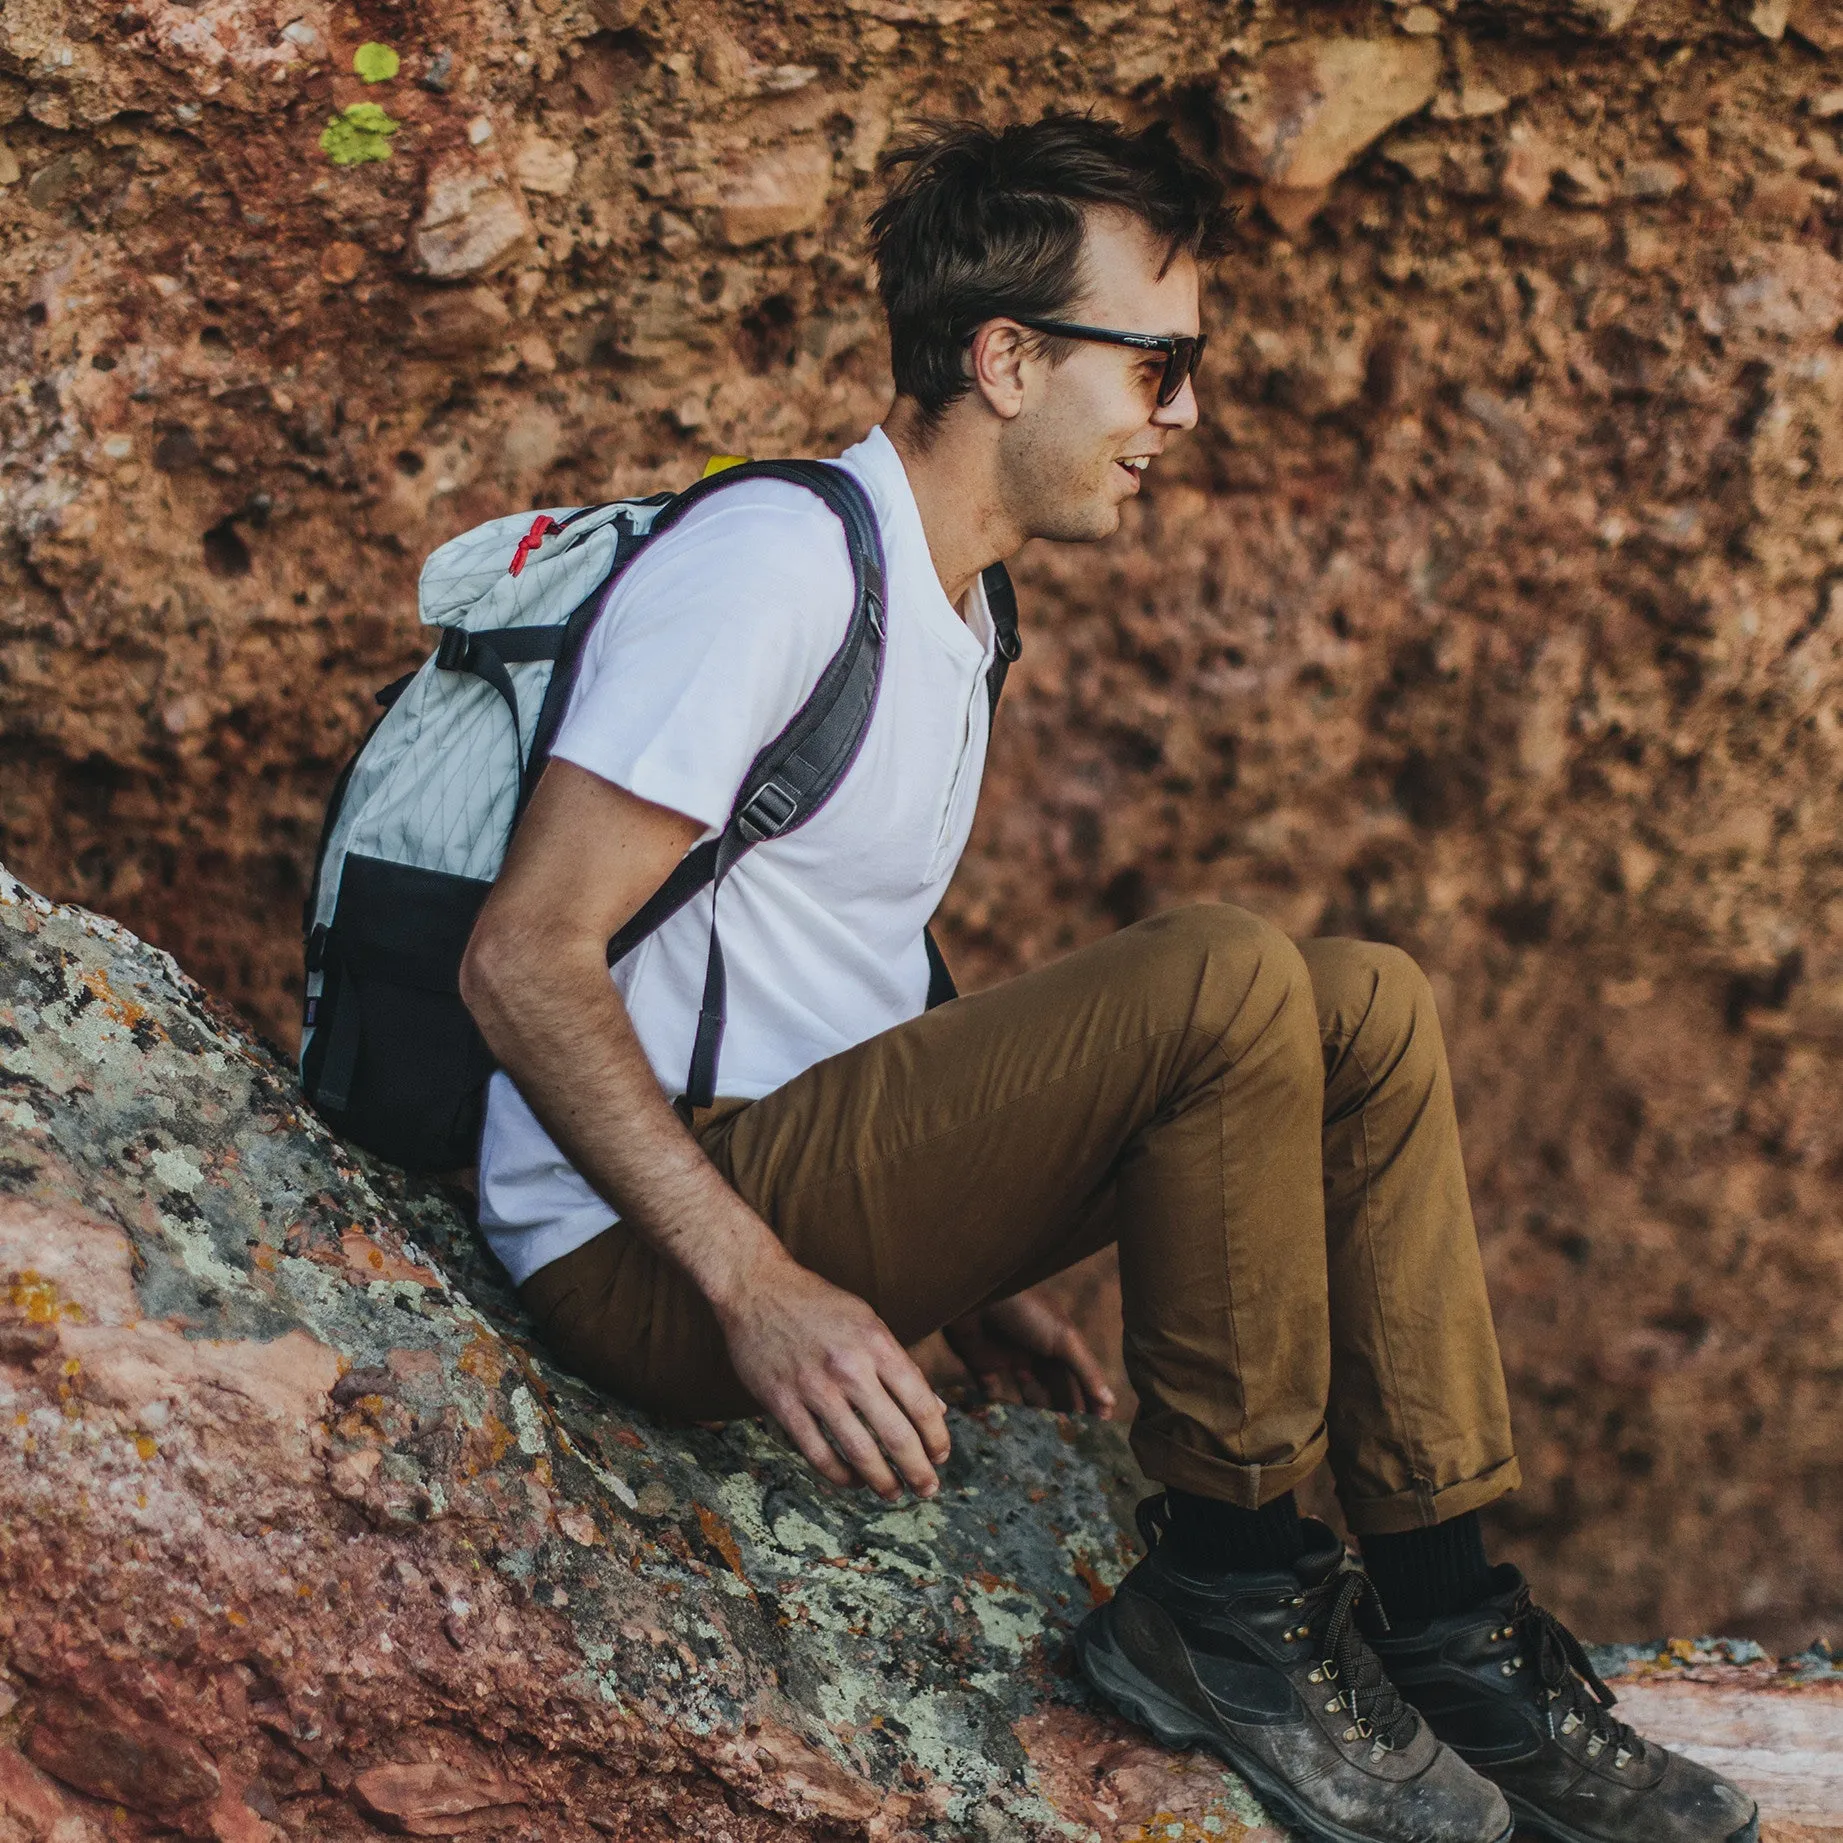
980	222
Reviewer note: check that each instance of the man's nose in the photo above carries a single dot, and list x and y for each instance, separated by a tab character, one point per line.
1181	412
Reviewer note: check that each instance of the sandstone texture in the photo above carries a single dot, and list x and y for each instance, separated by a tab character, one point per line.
300	1536
1494	610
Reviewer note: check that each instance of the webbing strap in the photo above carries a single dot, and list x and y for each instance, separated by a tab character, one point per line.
344	1034
486	656
693	873
941	987
1007	643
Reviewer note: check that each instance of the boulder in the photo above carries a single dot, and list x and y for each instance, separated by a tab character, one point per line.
305	1537
780	190
473	218
1308	108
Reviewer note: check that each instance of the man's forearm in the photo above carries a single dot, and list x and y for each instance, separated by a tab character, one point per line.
568	1043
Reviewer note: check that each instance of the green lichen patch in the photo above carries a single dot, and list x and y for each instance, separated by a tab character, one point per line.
375	63
359	132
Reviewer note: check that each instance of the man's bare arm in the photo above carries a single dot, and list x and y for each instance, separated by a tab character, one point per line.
585	856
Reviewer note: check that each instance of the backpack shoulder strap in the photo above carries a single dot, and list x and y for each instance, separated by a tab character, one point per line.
1001	603
1007	644
796	773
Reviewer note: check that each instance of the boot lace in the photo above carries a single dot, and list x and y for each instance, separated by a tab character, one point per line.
1373	1701
1569	1681
1376	1709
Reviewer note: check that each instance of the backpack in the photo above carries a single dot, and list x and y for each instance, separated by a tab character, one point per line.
419	819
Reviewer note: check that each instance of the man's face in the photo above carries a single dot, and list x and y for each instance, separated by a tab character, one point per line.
1090	424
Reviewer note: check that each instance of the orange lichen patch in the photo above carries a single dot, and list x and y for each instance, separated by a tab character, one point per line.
542	1472
496	1437
717	1534
627	1437
36	1298
123	1010
264	1257
483	1359
146	1445
1099	1593
371	1260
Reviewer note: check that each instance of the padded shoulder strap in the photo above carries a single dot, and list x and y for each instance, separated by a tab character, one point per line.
796	773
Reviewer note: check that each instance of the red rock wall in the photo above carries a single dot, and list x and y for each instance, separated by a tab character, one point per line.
1495	610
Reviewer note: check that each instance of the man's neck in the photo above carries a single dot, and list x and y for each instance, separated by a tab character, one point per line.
953	474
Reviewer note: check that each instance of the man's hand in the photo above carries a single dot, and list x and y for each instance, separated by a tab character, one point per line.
827	1368
1024	1349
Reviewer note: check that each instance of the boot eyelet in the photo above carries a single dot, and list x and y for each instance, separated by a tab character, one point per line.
1330	1670
1509	1670
1317	1676
1350	1734
1622	1757
1336	1703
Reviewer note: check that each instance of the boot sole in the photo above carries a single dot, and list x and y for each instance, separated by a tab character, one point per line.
1530	1819
1137	1697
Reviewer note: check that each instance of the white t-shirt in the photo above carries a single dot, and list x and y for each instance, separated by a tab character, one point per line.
711	642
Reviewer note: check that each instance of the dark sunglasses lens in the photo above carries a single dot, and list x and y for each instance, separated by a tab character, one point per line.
1178	367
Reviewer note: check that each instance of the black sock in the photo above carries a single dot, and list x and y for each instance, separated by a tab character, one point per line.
1424	1574
1220	1538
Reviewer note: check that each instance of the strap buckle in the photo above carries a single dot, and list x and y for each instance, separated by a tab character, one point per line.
768	812
453	653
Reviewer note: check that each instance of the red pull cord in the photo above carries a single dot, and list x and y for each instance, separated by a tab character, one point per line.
541	527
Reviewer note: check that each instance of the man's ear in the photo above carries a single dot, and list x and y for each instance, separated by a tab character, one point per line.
997	358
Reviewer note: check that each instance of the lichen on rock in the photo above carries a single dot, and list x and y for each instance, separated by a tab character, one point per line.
303	1530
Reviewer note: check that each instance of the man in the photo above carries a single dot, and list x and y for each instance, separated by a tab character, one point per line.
1266	1130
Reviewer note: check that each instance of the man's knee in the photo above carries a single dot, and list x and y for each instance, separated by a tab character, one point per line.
1236	975
1374	988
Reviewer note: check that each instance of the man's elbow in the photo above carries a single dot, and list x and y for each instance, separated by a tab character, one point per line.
488	975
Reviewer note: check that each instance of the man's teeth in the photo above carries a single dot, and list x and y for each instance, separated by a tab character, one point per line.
1137	462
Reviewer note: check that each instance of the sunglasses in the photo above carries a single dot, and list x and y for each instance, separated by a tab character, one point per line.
1183	352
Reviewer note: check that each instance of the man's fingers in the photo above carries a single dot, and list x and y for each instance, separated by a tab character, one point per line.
815	1449
896	1435
1087	1367
925	1409
860	1450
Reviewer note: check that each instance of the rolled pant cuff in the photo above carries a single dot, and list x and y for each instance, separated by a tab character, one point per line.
1169	1462
1425	1506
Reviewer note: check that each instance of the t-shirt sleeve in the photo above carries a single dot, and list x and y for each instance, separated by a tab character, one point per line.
710	643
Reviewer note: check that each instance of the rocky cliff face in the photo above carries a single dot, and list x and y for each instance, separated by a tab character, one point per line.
1494	610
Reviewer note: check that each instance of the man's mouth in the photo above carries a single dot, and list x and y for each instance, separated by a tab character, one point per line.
1133	466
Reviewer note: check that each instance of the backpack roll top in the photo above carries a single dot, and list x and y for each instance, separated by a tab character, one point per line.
418	829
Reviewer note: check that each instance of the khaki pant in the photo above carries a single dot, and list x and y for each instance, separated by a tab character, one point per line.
1265	1129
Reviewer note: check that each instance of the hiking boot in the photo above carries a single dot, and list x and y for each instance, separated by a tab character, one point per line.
1270	1671
1510	1689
